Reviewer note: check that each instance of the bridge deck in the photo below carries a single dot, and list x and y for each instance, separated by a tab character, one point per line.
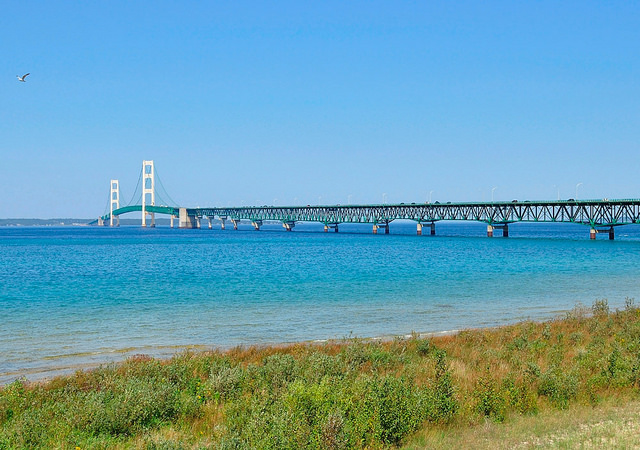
595	213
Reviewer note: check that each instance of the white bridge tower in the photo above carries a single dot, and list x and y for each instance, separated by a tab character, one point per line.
148	192
114	201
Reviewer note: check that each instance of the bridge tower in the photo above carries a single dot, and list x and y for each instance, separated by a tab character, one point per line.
148	192
114	201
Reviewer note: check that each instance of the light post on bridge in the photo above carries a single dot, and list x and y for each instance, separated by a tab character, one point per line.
496	187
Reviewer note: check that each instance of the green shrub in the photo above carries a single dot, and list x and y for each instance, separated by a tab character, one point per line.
558	387
278	370
444	404
520	396
225	383
600	308
319	365
423	346
490	401
619	372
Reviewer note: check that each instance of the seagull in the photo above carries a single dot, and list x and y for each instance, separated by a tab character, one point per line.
22	78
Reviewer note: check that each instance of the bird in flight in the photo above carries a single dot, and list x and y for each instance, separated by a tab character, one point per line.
22	78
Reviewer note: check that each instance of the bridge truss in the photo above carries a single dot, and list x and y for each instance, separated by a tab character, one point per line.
596	213
599	215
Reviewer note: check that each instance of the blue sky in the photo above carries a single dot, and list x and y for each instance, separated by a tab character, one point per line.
330	102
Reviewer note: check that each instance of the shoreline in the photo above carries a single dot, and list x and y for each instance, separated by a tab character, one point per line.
373	392
43	375
167	352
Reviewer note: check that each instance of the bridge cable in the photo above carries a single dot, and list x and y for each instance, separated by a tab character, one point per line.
133	197
171	202
106	207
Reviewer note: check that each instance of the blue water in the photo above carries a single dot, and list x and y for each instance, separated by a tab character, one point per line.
73	297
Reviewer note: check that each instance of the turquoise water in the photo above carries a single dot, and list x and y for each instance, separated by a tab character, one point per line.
78	296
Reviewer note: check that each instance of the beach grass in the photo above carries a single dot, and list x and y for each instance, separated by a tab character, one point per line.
501	384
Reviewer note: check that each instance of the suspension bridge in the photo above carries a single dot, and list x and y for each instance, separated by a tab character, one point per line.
150	198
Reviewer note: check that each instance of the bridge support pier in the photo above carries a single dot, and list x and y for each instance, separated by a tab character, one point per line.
172	218
100	222
288	225
432	227
222	220
235	223
187	220
594	231
504	227
377	226
257	224
330	225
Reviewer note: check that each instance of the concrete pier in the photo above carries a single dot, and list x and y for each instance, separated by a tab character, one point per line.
594	231
187	220
377	226
288	225
222	220
504	227
257	224
419	229
433	228
235	223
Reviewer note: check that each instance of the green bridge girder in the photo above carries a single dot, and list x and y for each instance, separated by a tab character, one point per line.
170	210
595	213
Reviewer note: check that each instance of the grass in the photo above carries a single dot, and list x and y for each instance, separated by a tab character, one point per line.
530	384
612	424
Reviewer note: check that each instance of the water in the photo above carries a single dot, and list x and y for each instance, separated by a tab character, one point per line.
73	297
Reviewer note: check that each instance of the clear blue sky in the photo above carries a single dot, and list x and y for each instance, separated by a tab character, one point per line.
300	103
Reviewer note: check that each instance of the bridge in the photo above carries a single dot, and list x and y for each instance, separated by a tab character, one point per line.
601	216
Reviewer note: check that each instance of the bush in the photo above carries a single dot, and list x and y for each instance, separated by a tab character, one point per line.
558	387
423	346
600	308
490	401
278	370
224	383
443	404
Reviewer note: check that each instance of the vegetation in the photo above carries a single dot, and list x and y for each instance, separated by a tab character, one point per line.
351	394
